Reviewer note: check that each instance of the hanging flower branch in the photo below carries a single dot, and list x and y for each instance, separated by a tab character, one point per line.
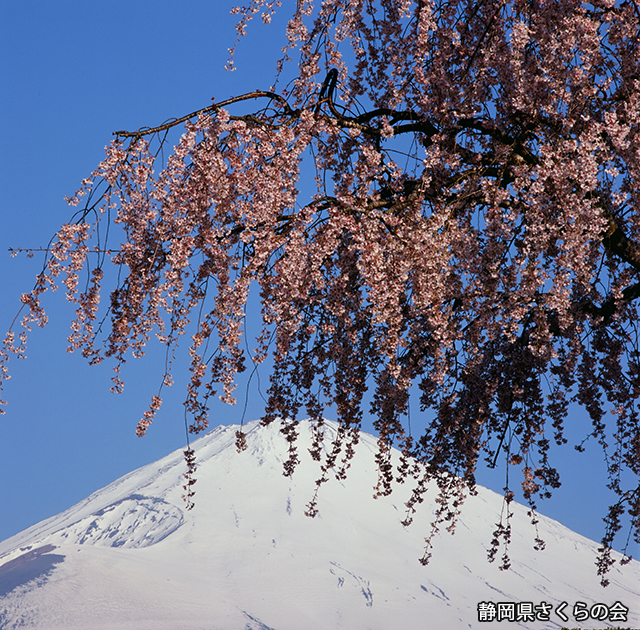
473	229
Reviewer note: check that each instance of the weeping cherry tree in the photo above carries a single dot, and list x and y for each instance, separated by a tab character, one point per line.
442	204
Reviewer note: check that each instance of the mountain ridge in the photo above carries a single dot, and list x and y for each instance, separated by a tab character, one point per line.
247	555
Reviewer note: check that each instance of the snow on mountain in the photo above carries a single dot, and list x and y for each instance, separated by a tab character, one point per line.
247	558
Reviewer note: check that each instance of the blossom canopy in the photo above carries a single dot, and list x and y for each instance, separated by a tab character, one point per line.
443	202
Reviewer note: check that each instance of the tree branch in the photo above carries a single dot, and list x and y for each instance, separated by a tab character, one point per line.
145	131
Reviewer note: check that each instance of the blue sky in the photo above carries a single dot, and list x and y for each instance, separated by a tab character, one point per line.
71	73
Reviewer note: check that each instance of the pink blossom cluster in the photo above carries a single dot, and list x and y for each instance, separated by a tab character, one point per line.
473	230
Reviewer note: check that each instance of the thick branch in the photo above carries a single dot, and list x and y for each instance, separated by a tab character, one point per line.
617	242
145	131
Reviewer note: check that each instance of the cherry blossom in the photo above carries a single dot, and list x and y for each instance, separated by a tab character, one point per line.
471	236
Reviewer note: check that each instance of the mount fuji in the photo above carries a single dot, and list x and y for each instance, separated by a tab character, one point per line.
130	556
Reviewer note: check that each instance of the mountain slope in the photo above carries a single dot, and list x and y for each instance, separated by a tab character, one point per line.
130	556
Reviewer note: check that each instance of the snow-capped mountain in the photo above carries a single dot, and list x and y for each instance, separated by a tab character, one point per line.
247	558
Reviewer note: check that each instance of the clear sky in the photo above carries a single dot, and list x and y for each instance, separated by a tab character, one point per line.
71	72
